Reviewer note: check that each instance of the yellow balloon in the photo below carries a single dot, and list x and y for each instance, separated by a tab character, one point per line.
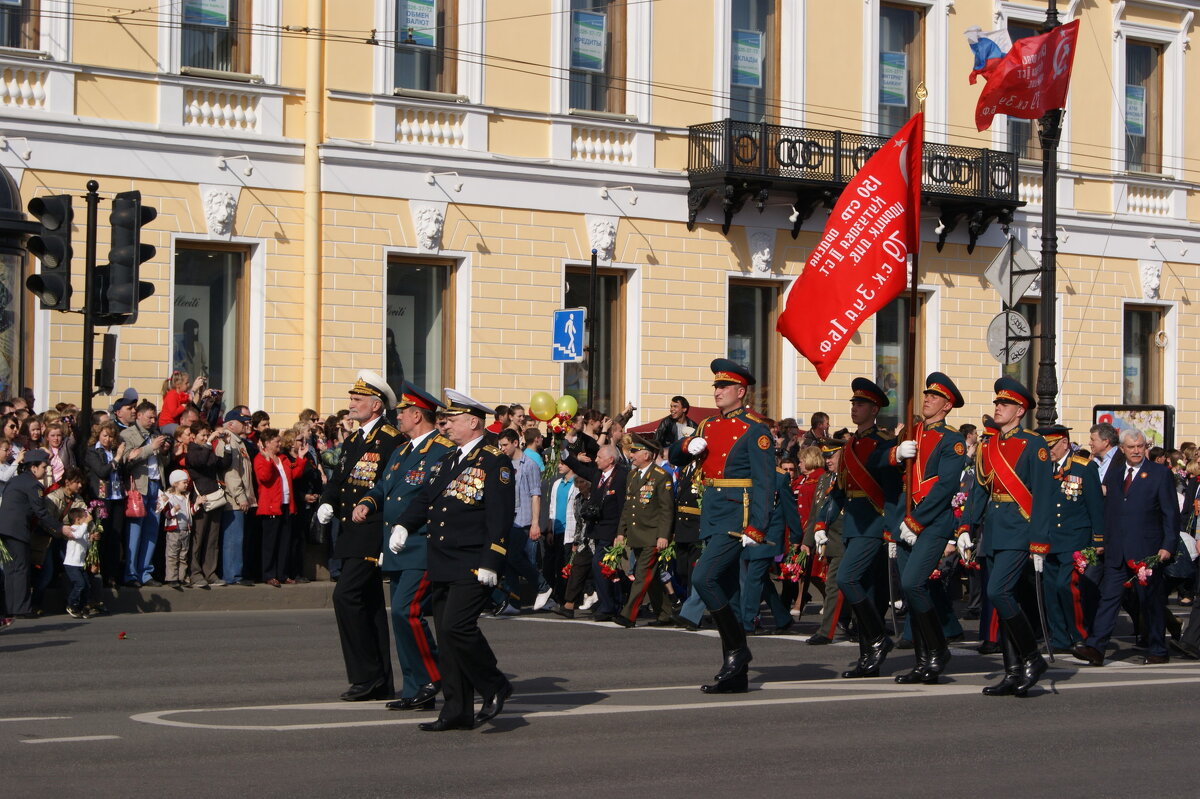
541	405
567	404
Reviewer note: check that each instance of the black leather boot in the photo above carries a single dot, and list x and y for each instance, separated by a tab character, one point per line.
921	646
1012	671
1033	665
935	643
873	645
732	678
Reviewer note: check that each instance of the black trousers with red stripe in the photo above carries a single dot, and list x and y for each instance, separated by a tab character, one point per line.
415	646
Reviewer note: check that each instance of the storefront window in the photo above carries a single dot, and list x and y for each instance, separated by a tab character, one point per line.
750	337
607	325
419	341
207	330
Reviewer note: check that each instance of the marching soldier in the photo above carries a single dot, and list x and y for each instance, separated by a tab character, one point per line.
358	601
827	542
1013	500
935	459
867	492
393	492
1078	523
735	452
466	508
645	527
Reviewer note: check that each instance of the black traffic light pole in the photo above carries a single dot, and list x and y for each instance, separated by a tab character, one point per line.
83	424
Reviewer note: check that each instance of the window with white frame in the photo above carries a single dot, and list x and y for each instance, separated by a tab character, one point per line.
597	51
751	340
754	61
1143	106
20	24
426	55
1141	361
901	64
1023	133
215	35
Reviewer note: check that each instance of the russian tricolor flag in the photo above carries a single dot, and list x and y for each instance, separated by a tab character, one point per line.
988	47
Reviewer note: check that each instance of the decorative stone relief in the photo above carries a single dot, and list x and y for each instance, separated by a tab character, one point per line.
428	221
762	250
602	235
220	210
1151	278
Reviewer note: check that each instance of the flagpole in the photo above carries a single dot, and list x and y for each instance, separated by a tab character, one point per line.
914	296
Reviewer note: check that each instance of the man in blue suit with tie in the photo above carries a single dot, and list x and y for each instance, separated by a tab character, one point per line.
1141	520
400	483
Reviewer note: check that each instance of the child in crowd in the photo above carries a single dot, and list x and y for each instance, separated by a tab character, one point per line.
73	563
175	509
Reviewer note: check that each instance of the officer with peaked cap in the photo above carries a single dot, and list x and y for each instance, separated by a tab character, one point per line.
1013	500
867	492
934	458
25	516
645	527
466	509
1078	523
358	600
735	451
399	485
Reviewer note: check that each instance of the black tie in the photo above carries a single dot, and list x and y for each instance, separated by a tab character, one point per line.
1129	477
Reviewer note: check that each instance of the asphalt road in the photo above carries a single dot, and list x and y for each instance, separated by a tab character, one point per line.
244	704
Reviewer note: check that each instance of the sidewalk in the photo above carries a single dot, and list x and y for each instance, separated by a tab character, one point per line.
302	596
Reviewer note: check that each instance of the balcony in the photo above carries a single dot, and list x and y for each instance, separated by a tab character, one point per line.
744	160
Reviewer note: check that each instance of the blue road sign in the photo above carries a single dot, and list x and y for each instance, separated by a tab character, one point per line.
568	335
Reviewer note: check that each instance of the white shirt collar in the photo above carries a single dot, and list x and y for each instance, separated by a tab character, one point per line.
416	442
465	449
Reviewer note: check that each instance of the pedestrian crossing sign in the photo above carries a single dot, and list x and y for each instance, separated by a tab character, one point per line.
567	337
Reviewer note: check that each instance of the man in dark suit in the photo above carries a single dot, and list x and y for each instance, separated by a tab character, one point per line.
1141	520
358	601
24	510
607	476
466	507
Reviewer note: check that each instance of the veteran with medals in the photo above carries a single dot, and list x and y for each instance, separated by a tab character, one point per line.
395	489
867	495
358	601
934	459
1013	500
1078	523
465	507
735	451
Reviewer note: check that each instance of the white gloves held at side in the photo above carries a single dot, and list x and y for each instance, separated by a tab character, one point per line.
906	449
486	577
696	446
325	513
747	541
821	538
907	535
964	543
398	539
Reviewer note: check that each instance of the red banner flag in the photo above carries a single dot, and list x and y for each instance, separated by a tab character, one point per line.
860	264
1031	79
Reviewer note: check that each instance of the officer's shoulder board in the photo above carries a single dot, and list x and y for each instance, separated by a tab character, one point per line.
390	431
441	439
754	416
883	435
489	449
656	470
1079	459
949	428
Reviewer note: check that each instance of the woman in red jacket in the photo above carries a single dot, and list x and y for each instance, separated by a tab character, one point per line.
274	474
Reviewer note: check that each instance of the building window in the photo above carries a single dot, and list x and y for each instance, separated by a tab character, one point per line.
1143	107
1142	357
754	61
751	339
12	316
419	337
891	357
216	35
427	45
1023	133
607	325
209	324
901	64
597	55
19	24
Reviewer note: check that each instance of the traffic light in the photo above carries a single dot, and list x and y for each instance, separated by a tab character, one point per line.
52	246
106	372
124	291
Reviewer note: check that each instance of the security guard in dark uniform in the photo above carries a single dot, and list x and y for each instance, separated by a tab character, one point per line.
1078	523
401	481
1013	500
358	601
645	528
867	493
934	461
736	455
466	508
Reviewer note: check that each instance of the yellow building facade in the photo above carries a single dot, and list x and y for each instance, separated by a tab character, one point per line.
414	186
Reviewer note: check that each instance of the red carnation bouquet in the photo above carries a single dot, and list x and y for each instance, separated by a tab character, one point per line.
1084	558
1142	570
792	567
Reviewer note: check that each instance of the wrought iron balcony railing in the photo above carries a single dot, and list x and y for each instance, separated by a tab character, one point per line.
744	160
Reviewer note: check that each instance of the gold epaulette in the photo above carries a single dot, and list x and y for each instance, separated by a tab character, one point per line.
779	471
755	416
1082	461
389	430
950	427
438	438
883	435
488	448
658	470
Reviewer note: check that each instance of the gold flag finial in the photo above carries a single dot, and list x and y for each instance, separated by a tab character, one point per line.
922	93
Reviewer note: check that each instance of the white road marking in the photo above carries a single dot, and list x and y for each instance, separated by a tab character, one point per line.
74	739
838	691
35	718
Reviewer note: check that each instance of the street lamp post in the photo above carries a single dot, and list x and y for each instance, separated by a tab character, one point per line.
1050	130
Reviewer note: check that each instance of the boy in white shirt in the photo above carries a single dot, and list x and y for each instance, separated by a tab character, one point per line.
75	559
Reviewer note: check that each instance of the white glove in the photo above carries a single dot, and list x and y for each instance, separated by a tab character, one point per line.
906	449
747	541
325	513
891	550
1039	563
821	538
907	535
696	446
486	577
964	543
398	539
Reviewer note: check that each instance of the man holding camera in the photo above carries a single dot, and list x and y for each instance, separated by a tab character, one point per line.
145	448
